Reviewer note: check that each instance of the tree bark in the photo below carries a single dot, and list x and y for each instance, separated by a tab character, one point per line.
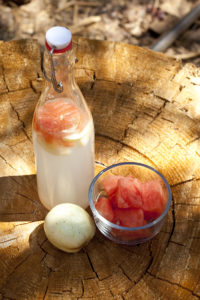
145	107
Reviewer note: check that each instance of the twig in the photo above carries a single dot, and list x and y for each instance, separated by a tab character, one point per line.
186	56
88	3
75	13
66	6
85	22
78	3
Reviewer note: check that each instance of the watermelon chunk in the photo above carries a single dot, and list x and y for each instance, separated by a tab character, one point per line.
110	184
153	199
104	207
129	193
129	217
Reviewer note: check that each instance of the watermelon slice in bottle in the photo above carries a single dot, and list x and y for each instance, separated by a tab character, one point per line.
59	122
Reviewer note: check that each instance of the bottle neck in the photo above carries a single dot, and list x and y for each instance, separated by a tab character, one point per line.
63	65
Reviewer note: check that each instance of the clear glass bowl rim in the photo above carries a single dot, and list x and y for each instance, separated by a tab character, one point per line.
153	223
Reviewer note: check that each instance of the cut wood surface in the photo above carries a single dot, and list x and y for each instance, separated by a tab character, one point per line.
146	108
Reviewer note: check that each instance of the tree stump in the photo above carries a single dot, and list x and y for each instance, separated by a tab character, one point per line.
146	108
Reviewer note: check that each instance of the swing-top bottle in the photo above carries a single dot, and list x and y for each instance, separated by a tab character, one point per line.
63	131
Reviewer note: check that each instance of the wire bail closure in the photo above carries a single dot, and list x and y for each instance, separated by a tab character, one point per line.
58	86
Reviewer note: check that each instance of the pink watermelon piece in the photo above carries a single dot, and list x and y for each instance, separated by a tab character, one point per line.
129	217
110	183
129	193
153	199
104	207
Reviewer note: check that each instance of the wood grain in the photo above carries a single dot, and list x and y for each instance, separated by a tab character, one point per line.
145	107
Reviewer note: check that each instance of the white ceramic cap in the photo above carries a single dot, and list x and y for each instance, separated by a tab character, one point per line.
58	37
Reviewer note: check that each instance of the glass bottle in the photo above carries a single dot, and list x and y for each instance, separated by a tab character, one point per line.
63	130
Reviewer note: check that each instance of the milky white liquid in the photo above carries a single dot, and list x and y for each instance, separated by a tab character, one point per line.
65	176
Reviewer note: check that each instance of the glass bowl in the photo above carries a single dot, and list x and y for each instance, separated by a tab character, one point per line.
116	232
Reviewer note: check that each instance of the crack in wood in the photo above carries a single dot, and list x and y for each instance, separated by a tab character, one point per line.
7	163
161	98
129	84
168	120
17	90
192	141
174	283
21	121
43	250
15	268
173	223
148	266
19	183
83	288
17	213
6	298
93	82
26	197
43	258
126	129
176	243
146	270
45	292
47	286
4	78
182	182
15	144
188	204
56	293
13	239
21	224
128	146
148	115
90	262
108	276
120	267
159	111
31	85
112	294
85	69
100	163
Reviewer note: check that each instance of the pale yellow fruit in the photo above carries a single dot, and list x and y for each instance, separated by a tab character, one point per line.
69	227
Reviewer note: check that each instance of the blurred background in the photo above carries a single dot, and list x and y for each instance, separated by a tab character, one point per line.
137	22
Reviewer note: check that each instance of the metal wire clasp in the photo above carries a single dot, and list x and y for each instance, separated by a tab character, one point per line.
58	86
